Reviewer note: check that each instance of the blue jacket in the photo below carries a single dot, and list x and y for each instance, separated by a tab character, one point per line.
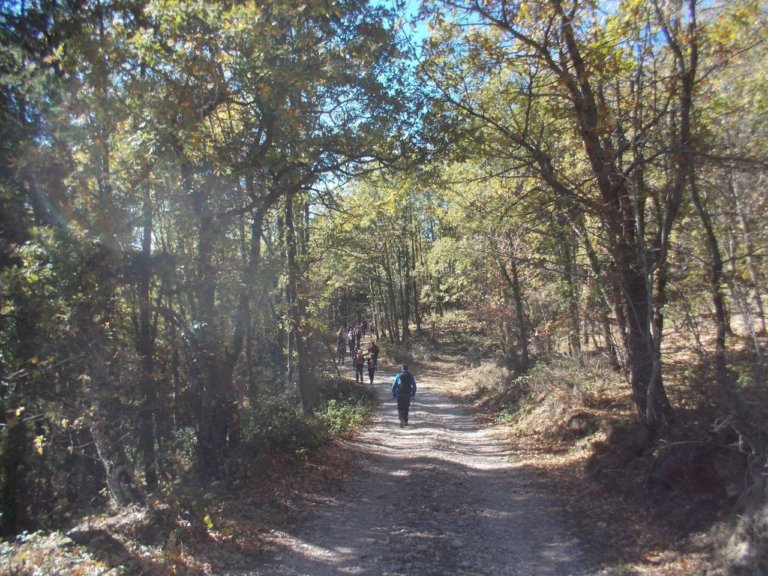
396	381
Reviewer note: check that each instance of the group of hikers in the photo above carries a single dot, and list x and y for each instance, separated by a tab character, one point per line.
354	335
352	343
403	385
359	359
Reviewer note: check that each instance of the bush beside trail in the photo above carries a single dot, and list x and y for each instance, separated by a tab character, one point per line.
284	458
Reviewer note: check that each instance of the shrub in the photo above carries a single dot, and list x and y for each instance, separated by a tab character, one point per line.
344	390
286	428
397	353
178	451
344	405
339	417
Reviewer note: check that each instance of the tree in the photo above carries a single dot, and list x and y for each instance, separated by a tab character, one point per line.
152	149
564	68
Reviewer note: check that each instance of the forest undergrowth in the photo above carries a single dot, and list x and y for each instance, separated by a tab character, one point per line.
189	530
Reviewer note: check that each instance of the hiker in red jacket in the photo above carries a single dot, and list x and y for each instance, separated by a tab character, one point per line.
359	362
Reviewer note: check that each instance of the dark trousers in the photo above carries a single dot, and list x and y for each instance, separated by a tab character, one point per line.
403	405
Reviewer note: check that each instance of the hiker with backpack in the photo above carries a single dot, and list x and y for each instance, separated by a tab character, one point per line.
371	368
403	389
359	362
373	352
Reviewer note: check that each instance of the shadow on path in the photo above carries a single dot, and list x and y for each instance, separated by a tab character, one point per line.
440	496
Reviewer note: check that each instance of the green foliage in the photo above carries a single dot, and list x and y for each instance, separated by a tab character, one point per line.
286	428
418	349
398	353
148	151
178	452
331	387
340	418
345	405
449	265
506	416
142	237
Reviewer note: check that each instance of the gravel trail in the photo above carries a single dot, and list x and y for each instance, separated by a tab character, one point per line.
441	496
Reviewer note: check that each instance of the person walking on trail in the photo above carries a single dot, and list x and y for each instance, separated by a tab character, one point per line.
359	362
373	352
371	368
341	345
351	342
404	389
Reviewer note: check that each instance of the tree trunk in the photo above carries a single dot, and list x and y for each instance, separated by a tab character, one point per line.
394	333
742	300
122	489
257	224
208	385
625	220
512	279
571	298
715	279
642	355
146	349
404	266
15	447
384	323
523	340
210	440
304	385
755	272
605	302
106	420
415	251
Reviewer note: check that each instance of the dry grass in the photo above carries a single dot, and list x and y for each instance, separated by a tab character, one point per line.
574	422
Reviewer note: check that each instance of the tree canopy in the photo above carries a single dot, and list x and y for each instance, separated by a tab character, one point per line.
196	196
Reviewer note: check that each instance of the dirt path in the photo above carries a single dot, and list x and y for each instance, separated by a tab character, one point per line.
439	497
